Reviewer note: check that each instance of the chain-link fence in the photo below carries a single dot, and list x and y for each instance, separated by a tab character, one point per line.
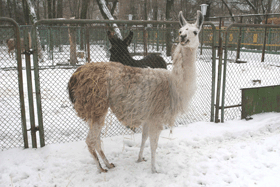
12	111
63	46
72	45
255	64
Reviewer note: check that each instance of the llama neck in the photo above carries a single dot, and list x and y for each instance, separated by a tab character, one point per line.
183	78
184	70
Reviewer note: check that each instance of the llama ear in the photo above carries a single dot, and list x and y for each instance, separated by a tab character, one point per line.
182	20
110	36
199	20
128	39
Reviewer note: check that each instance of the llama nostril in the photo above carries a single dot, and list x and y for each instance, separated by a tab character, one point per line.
183	37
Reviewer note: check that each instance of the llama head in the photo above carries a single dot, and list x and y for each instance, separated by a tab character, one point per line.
189	32
119	48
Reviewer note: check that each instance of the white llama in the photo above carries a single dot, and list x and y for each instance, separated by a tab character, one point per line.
137	96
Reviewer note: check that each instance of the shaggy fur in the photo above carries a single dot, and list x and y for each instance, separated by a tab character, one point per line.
137	96
119	53
11	45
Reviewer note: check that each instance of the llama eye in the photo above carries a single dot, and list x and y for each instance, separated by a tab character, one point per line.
195	32
180	32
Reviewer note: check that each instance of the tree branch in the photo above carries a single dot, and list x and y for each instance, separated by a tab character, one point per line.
254	9
229	10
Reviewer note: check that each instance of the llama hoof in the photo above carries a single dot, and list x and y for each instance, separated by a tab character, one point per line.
111	166
141	160
103	170
154	171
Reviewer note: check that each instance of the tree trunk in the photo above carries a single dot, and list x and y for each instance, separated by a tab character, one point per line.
258	19
45	9
25	12
49	9
85	4
15	10
229	10
72	40
169	4
9	8
53	10
33	19
38	10
114	7
155	10
1	9
105	12
207	16
145	10
60	9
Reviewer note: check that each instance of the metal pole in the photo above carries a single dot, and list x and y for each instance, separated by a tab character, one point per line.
213	72
37	86
239	41
20	79
88	46
264	41
201	43
30	90
220	54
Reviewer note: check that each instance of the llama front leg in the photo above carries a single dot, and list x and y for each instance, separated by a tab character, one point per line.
154	132
145	133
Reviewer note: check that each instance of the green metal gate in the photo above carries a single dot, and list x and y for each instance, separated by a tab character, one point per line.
50	117
246	67
13	130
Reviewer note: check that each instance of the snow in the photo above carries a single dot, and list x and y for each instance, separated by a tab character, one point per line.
234	153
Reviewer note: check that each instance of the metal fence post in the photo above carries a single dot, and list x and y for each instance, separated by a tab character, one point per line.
88	46
220	54
239	41
213	73
264	40
37	85
30	90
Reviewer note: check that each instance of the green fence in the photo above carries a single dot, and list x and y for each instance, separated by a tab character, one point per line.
47	69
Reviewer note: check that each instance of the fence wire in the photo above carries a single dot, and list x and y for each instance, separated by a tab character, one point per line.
249	71
92	44
10	112
66	47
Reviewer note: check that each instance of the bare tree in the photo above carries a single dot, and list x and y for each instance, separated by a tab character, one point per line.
59	8
169	5
49	9
229	10
53	9
84	9
106	13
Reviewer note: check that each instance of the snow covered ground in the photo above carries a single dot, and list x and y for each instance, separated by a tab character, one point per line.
235	153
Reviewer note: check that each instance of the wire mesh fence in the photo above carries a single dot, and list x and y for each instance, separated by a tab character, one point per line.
65	47
11	118
93	45
251	68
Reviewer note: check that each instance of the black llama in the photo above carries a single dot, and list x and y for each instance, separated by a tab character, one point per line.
119	53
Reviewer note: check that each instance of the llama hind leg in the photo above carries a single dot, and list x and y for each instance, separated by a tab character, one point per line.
101	153
145	133
154	132
92	141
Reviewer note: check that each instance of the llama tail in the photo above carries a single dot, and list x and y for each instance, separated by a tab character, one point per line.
71	84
